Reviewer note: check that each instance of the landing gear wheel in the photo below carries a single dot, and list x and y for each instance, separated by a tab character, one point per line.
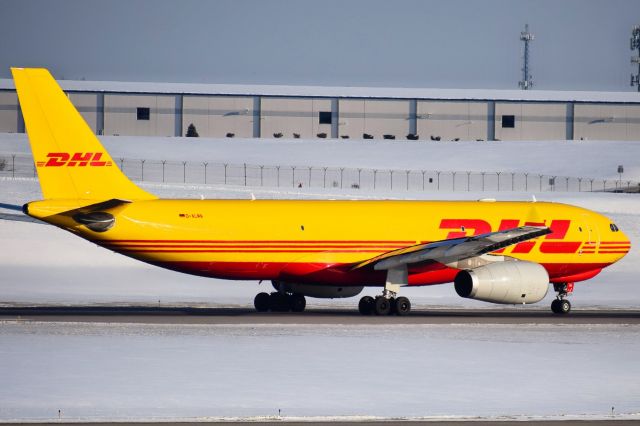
297	302
261	302
382	306
402	306
366	305
561	306
279	302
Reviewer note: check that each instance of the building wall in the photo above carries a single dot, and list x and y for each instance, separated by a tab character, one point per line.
87	106
532	121
607	122
9	112
373	117
293	115
216	116
120	115
452	120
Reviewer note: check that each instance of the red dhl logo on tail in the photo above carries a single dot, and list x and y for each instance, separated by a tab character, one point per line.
77	159
459	227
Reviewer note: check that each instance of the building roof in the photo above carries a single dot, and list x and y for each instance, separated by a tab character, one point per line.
340	92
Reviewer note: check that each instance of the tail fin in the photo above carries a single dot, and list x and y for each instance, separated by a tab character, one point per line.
71	161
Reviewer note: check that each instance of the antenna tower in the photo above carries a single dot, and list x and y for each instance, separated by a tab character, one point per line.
527	81
635	45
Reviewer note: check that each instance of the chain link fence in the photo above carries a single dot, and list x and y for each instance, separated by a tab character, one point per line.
191	172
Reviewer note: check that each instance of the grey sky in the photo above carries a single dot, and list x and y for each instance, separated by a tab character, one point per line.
579	45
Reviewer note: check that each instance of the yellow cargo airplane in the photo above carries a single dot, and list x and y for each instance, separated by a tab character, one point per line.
500	252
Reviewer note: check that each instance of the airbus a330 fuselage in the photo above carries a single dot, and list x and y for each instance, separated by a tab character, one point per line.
502	252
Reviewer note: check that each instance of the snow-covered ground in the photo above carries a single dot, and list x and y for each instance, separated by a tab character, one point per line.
106	371
132	371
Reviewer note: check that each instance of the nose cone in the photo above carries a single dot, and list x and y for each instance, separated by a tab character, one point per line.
615	244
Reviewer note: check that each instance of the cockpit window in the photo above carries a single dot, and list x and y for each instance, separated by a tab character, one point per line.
613	227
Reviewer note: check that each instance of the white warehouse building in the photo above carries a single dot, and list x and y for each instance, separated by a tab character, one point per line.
220	110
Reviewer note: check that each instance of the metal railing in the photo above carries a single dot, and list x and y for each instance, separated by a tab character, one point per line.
191	172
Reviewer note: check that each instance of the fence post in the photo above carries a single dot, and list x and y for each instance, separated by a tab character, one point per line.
245	174
526	181
278	175
567	184
579	184
205	172
293	176
592	185
122	165
375	172
468	181
359	182
13	165
142	169
184	172
261	170
604	185
391	174
324	177
225	173
423	173
512	179
341	174
453	181
498	174
310	168
408	179
438	174
540	182
163	163
482	173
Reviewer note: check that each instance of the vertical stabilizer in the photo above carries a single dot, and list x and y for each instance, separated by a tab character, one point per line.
70	160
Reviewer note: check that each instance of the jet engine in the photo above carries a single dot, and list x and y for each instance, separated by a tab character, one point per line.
504	282
319	291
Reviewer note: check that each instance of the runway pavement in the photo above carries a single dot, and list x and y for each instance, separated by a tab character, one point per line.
316	316
474	422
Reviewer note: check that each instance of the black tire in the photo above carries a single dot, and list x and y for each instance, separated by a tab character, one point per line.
366	305
402	306
297	303
561	306
392	303
279	302
382	306
261	302
564	306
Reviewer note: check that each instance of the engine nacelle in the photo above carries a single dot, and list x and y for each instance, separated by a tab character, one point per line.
515	282
319	291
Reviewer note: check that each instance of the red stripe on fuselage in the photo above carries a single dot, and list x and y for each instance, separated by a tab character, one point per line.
342	274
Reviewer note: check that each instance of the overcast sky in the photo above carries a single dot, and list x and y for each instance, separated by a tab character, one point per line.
579	44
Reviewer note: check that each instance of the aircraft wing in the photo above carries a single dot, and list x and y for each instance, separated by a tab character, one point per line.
453	250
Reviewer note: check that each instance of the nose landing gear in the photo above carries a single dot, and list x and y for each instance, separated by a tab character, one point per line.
561	305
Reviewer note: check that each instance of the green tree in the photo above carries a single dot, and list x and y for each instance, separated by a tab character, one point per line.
191	131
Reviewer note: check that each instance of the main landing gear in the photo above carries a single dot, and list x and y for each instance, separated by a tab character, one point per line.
279	302
561	305
386	304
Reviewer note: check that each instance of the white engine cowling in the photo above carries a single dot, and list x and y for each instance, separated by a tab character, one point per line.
319	291
512	282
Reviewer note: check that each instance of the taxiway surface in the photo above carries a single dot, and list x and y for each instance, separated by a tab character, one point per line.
243	315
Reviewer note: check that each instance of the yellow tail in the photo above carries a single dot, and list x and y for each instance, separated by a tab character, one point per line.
71	161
